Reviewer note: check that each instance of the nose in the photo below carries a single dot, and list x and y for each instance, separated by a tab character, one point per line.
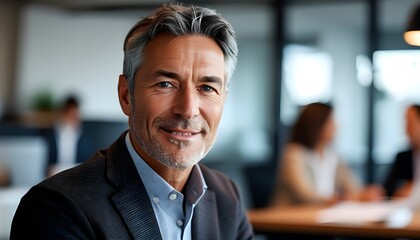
187	103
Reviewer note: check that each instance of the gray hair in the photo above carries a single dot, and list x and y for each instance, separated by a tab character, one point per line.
178	20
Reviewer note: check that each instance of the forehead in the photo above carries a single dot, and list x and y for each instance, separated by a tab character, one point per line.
186	49
167	45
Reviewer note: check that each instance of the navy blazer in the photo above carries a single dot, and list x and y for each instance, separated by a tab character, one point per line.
104	198
400	172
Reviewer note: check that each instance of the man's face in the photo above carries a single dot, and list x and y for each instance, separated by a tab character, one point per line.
178	100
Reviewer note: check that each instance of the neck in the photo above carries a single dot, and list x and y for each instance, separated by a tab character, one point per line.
176	177
319	149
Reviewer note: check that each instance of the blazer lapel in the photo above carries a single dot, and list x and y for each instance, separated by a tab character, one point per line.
135	207
205	223
131	200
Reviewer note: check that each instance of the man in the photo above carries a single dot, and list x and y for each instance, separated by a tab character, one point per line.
64	138
148	184
407	164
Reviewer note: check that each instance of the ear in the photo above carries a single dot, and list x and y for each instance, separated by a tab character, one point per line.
124	95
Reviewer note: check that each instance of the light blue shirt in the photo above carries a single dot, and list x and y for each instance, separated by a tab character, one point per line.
168	204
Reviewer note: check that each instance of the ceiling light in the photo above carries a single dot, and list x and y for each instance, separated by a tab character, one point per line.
412	33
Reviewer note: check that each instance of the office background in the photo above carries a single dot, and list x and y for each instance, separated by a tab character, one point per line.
291	53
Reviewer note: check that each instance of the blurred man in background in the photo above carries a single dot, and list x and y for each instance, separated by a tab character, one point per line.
406	166
64	137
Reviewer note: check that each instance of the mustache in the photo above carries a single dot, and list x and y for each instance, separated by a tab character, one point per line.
191	124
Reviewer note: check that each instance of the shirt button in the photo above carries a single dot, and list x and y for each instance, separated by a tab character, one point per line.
179	222
156	200
172	196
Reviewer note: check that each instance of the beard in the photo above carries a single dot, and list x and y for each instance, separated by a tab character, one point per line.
185	155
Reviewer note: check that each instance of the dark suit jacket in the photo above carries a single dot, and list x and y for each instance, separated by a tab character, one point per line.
401	171
104	198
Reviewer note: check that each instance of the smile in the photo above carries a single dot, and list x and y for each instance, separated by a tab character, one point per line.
181	138
183	133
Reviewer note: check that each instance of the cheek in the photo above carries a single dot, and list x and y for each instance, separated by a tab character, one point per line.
212	114
140	115
150	106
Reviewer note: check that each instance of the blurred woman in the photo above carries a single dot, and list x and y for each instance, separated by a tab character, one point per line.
309	171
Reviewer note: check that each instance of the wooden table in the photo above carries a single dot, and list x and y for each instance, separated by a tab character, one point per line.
303	220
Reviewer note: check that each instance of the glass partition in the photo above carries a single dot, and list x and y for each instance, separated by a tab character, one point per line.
323	61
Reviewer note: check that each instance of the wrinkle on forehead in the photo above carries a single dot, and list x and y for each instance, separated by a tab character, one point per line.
189	52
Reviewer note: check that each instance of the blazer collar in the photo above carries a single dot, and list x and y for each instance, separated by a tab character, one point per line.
205	224
120	168
131	198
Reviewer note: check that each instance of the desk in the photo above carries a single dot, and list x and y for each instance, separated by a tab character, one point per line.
303	220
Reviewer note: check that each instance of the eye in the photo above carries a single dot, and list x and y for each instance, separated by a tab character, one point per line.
206	88
164	84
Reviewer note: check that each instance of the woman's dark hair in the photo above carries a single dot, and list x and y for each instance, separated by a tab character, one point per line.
310	123
416	107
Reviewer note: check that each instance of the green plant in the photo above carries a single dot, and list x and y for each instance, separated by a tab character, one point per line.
43	101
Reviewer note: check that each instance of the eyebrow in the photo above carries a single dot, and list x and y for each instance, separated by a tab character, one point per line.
213	79
167	74
207	79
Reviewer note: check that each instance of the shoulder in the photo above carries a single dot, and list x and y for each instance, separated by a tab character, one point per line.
294	147
218	182
404	154
74	183
214	177
66	195
295	155
404	158
59	203
294	150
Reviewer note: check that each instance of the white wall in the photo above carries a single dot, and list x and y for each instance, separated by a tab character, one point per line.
67	52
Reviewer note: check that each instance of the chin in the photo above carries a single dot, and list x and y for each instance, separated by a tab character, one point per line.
179	164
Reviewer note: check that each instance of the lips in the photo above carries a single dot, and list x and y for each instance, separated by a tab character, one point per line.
182	128
181	138
181	132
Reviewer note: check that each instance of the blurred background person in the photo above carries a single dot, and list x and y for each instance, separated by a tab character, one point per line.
406	166
64	138
309	171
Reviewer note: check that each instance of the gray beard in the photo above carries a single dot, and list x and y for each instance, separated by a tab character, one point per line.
159	151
